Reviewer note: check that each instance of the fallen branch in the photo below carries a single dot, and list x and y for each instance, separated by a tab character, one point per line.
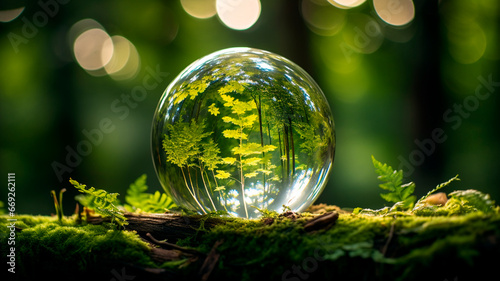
168	226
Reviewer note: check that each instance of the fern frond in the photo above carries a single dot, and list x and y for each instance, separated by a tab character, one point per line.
393	182
136	192
438	187
158	203
101	202
138	199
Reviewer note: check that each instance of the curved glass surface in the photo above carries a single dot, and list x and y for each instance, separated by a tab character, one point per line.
241	130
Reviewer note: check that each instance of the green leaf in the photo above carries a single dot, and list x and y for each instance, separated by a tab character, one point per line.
229	160
182	144
157	203
210	155
389	197
136	192
222	175
232	86
213	109
250	175
392	182
247	149
409	202
252	148
220	188
232	120
240	107
101	202
407	190
3	211
139	200
234	134
266	172
269	147
253	161
474	200
249	120
438	187
229	101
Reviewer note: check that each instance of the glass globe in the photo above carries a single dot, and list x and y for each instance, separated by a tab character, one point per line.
243	130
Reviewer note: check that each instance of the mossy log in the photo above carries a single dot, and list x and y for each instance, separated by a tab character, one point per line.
325	243
168	226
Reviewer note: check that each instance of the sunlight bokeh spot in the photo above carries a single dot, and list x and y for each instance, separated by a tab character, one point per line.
125	61
80	27
238	14
346	4
100	54
89	51
10	15
362	34
467	42
202	9
322	18
395	12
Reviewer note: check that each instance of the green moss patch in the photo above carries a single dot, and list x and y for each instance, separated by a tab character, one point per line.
43	245
356	247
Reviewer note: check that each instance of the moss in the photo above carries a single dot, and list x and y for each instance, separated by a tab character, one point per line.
357	247
69	249
408	247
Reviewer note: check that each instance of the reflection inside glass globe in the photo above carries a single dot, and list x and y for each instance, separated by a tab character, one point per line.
242	130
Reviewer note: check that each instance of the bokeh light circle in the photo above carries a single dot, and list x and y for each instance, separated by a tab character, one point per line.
100	54
202	9
238	14
88	49
395	12
322	18
124	63
346	4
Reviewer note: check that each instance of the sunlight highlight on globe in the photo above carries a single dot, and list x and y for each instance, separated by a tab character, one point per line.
238	14
242	130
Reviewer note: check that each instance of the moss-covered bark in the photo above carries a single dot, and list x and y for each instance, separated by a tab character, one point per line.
285	247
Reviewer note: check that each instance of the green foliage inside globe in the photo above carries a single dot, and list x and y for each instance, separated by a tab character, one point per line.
243	130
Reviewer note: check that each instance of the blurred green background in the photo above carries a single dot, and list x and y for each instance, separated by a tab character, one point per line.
414	83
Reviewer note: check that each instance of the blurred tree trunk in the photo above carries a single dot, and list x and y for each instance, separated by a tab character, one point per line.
428	92
297	35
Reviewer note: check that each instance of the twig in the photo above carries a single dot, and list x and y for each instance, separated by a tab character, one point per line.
167	245
210	262
391	234
168	226
324	221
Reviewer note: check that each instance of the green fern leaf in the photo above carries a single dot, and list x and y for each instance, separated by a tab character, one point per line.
438	187
158	203
139	200
473	200
101	202
136	193
392	182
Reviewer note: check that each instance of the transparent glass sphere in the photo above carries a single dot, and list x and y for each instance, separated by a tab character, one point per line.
243	130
